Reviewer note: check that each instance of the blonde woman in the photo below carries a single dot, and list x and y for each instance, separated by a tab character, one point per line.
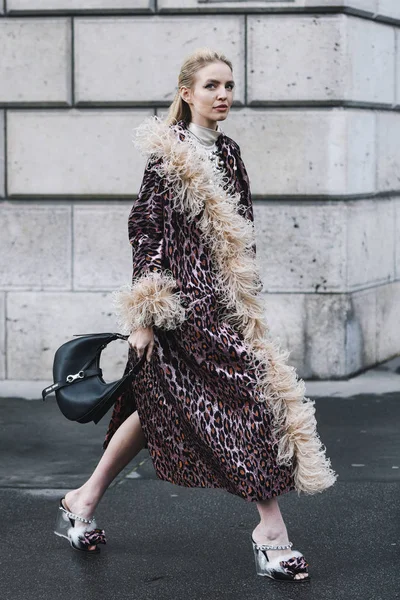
216	403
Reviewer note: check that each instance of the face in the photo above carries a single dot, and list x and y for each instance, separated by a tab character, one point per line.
213	87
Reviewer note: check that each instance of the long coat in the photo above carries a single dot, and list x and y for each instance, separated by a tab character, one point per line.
218	403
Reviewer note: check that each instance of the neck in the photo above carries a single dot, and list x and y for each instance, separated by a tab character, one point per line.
203	122
205	135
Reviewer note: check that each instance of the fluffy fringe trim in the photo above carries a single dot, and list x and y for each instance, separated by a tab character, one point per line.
149	301
230	237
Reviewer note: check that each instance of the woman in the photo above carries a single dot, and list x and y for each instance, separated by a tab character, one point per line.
215	403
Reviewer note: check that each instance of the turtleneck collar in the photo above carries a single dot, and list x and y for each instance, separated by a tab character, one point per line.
205	135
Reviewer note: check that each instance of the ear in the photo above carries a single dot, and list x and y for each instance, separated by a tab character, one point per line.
185	94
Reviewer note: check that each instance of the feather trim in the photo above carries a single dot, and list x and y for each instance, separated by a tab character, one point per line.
149	301
230	237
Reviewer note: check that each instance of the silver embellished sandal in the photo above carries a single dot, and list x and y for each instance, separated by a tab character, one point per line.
80	538
281	570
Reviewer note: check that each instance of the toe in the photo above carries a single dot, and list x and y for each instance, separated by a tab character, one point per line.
301	576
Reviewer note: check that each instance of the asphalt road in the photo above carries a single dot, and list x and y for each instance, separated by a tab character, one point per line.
173	543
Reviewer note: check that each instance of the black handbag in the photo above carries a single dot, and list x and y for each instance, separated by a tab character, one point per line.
81	392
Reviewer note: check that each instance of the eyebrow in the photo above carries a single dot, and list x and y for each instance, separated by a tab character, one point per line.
216	81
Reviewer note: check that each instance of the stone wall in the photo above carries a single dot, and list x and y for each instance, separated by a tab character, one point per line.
317	116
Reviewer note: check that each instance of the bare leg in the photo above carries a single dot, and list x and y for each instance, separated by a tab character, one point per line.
272	530
127	441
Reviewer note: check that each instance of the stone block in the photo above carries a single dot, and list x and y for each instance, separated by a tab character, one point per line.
397	237
388	8
2	158
2	337
117	59
35	246
285	317
265	6
102	253
370	243
204	6
324	336
79	5
39	322
370	49
312	68
301	247
327	335
387	321
340	334
361	331
397	74
366	6
325	247
77	153
306	152
35	60
388	155
333	58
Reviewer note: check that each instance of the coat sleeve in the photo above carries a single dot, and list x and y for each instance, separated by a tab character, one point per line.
153	298
246	202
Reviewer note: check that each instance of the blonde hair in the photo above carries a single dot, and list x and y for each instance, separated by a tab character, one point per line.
179	109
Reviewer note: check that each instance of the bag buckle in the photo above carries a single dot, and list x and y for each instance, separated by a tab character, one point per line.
71	378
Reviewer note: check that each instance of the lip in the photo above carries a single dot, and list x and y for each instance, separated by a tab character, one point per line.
221	107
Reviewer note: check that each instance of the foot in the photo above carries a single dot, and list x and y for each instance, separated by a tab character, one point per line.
75	502
264	536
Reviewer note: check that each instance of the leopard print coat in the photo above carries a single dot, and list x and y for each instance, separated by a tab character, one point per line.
215	402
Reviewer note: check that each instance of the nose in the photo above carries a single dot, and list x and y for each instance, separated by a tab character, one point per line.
222	94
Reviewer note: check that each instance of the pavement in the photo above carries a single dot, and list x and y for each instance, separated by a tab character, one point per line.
169	542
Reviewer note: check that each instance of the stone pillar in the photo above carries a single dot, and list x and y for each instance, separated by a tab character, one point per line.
317	118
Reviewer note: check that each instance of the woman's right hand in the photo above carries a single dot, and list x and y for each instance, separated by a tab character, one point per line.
140	339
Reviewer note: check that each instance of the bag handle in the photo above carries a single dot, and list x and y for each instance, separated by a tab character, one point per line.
113	336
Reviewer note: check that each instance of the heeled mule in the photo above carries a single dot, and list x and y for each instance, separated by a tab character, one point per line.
278	569
80	538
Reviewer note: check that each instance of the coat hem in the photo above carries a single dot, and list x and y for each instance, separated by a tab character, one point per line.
231	490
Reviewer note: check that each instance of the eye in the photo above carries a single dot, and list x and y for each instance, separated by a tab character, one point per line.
229	85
